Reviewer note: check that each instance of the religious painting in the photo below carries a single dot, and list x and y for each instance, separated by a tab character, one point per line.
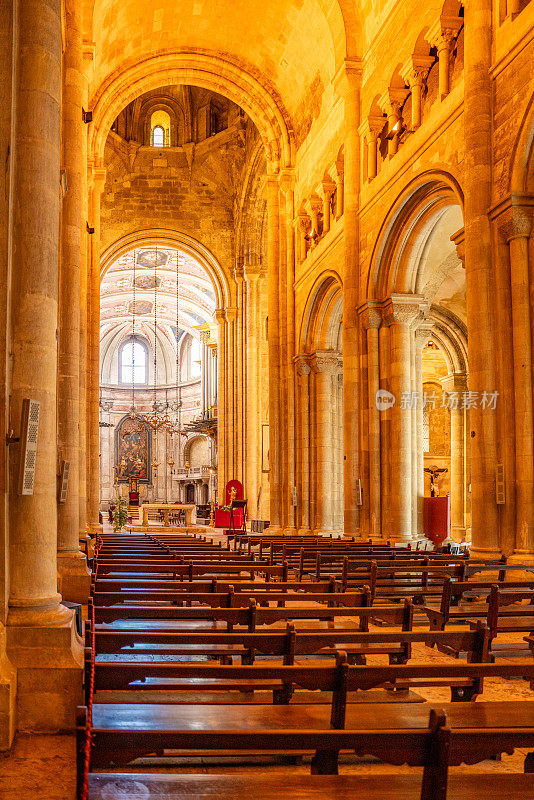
133	446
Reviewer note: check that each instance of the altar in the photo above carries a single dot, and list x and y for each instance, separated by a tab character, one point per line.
188	508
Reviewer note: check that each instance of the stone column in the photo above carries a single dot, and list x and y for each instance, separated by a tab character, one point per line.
414	73
254	276
98	177
371	320
303	417
286	185
273	278
8	677
400	312
371	130
421	337
479	274
231	367
73	575
303	223
339	179
325	365
41	639
457	382
221	405
442	36
516	227
328	188
348	85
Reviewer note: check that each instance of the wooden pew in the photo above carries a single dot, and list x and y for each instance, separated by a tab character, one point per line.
452	609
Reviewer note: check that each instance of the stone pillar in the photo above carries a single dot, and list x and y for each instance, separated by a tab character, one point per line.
231	380
516	228
73	575
41	639
348	85
286	185
221	405
303	223
325	365
371	130
414	73
254	278
457	382
328	188
371	320
93	361
479	274
273	278
303	417
400	312
8	34
339	179
421	337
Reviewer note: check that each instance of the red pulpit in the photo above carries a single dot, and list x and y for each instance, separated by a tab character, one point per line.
222	518
437	518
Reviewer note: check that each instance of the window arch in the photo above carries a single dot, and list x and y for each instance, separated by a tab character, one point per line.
160	129
133	363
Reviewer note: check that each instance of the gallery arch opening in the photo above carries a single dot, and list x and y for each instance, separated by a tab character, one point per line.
158	380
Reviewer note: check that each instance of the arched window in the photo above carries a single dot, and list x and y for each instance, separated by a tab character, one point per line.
160	129
158	136
133	363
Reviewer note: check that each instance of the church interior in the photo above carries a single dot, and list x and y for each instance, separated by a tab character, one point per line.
266	316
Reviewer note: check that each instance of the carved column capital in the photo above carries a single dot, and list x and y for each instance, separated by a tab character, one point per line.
302	364
328	188
414	72
370	314
515	222
403	309
326	361
423	332
455	382
220	315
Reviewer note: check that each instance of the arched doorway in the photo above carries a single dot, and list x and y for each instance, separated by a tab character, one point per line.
416	351
320	411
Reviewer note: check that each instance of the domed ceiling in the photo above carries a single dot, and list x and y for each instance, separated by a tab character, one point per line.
139	291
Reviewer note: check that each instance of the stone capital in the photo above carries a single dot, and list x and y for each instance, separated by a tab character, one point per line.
231	313
254	272
348	77
415	70
287	180
328	187
423	332
220	315
302	364
370	314
97	176
372	126
444	31
403	309
458	239
392	100
303	222
514	217
455	382
328	362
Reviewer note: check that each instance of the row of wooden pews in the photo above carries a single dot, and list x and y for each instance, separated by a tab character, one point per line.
194	649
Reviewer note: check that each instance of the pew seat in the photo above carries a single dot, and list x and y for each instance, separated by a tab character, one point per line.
141	786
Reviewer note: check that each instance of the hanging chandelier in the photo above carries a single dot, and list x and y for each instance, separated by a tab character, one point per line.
175	428
156	418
